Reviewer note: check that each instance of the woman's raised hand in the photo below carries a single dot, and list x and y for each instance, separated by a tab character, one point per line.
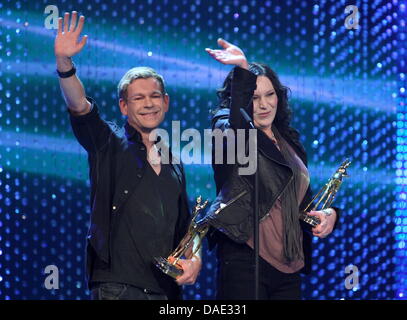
230	54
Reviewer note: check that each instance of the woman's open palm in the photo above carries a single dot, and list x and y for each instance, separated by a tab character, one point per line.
230	54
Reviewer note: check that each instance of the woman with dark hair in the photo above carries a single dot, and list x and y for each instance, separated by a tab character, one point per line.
284	240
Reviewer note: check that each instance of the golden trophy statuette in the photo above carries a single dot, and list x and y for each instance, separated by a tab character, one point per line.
327	194
170	265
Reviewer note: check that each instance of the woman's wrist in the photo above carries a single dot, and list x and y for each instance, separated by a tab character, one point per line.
196	257
328	211
244	65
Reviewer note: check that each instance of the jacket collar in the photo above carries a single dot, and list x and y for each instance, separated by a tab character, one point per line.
132	133
271	151
267	147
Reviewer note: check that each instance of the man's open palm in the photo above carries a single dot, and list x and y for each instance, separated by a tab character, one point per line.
66	41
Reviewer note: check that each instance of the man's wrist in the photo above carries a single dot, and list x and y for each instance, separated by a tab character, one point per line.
68	73
64	64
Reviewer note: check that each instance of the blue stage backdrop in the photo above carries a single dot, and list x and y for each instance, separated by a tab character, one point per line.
346	72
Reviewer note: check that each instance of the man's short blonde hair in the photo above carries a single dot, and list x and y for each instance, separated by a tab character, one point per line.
138	73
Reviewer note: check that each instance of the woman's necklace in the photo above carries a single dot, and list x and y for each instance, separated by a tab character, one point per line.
274	140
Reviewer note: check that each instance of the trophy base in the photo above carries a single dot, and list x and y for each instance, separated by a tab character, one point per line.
168	268
312	220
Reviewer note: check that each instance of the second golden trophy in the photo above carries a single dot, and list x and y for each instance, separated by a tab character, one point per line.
170	264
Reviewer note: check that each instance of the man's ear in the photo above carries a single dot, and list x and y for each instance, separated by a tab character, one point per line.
123	106
166	102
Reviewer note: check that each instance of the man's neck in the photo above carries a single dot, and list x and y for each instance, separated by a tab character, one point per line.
145	137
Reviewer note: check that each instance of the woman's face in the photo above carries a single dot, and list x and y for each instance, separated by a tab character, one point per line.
264	103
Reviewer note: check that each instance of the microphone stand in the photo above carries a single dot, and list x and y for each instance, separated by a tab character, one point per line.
256	210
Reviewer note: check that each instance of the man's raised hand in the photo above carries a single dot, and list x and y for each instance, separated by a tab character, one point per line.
66	41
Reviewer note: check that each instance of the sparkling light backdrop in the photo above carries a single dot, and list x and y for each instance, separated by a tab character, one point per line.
348	95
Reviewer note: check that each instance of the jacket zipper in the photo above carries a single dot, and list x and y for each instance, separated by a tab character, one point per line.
285	165
245	191
227	204
278	197
230	201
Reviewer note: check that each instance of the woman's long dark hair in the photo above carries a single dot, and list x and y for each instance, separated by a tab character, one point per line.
283	115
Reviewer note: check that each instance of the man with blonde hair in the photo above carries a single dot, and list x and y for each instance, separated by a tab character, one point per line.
139	202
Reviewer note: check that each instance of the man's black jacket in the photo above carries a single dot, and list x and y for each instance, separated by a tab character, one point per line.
113	179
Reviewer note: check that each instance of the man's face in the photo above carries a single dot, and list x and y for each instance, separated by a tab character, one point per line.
264	103
145	105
